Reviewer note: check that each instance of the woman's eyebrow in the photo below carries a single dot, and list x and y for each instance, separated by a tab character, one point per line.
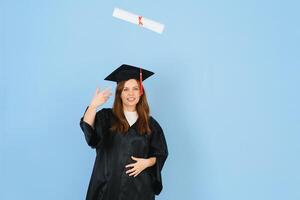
132	87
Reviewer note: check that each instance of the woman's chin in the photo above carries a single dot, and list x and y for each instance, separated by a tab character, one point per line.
131	103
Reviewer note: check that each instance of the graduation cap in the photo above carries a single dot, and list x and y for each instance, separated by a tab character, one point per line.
126	72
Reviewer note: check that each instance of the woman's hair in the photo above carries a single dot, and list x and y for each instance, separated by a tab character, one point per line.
142	107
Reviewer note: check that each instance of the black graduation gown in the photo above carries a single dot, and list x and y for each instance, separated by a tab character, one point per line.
109	180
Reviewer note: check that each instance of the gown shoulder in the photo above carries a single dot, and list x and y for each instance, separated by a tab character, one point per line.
94	134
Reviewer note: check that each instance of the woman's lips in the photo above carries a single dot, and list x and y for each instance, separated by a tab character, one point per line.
130	99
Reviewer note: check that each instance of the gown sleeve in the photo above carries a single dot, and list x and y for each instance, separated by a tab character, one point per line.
94	136
158	149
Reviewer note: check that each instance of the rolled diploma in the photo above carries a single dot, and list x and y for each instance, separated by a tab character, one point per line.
133	18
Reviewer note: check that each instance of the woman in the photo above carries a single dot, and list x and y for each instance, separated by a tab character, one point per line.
130	145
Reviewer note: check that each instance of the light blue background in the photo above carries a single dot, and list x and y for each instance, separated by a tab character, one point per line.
226	92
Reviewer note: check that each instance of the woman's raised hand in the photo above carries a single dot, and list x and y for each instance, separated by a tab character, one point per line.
100	97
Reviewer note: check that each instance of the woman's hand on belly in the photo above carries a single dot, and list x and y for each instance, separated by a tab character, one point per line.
140	165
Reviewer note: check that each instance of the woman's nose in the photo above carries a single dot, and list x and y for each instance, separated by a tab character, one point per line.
130	92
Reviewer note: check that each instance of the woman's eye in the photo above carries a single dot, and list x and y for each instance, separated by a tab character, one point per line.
125	89
135	89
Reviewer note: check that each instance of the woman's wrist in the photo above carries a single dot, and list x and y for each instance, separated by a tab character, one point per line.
92	106
151	161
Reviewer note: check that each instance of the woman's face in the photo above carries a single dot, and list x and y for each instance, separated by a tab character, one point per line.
130	94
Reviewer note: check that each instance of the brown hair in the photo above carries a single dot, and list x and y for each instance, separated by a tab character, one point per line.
142	108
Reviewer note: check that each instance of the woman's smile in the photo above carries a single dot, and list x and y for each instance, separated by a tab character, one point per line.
131	99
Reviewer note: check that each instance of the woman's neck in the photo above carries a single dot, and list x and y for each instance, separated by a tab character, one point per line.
129	108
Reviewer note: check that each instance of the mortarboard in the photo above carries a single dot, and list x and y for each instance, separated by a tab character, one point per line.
126	72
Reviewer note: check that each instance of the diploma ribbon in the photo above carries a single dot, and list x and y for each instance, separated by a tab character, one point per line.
140	21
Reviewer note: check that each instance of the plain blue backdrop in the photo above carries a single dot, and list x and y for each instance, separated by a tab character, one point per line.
225	91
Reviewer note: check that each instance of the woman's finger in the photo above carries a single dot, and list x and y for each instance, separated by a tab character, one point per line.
137	173
130	165
130	170
132	174
106	91
97	91
107	95
134	158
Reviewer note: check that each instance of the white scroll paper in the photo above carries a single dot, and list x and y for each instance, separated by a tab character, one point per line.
138	20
